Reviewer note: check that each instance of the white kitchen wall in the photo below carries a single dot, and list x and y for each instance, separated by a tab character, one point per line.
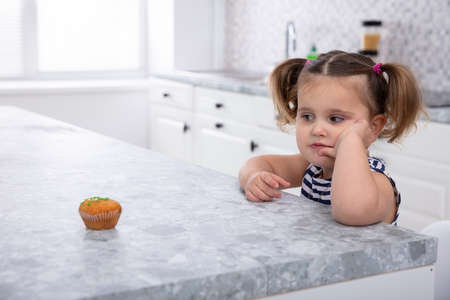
186	35
160	35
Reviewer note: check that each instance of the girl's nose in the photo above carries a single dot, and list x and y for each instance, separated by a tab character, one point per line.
319	129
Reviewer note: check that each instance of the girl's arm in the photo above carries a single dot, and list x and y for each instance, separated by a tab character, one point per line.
262	176
359	196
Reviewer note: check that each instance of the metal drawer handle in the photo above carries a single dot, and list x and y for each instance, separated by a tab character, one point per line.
185	127
253	146
219	125
219	105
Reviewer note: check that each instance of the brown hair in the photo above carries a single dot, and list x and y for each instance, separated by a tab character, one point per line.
397	97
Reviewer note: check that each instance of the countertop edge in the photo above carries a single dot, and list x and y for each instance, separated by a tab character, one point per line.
267	275
224	84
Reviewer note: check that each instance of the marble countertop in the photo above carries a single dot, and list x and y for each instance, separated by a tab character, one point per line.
185	232
255	83
232	81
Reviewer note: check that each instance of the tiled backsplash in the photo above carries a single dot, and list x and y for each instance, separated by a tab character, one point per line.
415	32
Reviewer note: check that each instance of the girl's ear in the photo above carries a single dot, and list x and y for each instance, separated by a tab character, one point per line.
377	124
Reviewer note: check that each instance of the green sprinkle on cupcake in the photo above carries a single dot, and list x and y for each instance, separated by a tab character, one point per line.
96	198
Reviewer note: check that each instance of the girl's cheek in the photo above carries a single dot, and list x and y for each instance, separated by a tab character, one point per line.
338	134
300	142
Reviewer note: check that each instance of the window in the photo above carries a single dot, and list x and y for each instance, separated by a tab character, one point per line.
73	38
11	39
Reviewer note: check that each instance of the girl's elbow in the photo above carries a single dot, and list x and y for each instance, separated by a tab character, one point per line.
354	217
349	209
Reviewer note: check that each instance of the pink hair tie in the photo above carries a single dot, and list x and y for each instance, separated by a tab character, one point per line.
377	68
308	61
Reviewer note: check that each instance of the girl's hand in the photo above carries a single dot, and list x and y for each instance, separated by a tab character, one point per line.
359	129
263	186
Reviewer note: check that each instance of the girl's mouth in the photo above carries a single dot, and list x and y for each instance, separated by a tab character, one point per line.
318	146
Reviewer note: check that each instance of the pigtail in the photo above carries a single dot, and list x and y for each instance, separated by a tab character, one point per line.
403	102
283	85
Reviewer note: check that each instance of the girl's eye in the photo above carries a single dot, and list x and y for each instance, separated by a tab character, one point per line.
336	119
307	117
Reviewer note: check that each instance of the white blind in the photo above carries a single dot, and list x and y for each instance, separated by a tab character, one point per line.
11	38
88	35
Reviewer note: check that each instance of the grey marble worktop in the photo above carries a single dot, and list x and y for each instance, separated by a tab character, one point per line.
255	83
185	232
251	83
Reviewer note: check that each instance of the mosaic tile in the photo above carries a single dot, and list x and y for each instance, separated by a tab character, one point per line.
416	32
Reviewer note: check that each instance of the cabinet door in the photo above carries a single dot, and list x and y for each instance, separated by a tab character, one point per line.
221	145
170	132
420	166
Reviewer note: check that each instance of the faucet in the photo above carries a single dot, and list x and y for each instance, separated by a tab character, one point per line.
291	40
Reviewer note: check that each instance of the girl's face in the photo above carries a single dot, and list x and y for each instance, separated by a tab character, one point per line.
326	107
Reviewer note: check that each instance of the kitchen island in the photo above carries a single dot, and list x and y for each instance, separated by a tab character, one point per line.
185	232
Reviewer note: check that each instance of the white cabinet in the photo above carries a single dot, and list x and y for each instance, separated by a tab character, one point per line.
170	123
420	165
214	129
228	130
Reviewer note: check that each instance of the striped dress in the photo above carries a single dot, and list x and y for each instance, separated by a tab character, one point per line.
319	189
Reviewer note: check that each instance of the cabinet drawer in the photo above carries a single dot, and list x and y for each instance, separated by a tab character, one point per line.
271	141
255	110
222	104
235	142
171	93
221	145
224	126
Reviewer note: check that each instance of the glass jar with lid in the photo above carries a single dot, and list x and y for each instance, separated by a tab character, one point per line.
371	36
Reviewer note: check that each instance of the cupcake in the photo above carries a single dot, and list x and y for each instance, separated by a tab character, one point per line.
100	213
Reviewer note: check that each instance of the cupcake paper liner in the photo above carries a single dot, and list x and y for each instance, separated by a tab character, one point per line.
105	220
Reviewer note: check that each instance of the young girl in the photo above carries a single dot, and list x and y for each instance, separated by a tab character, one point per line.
340	103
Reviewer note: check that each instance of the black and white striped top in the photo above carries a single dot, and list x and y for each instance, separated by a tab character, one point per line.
319	189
